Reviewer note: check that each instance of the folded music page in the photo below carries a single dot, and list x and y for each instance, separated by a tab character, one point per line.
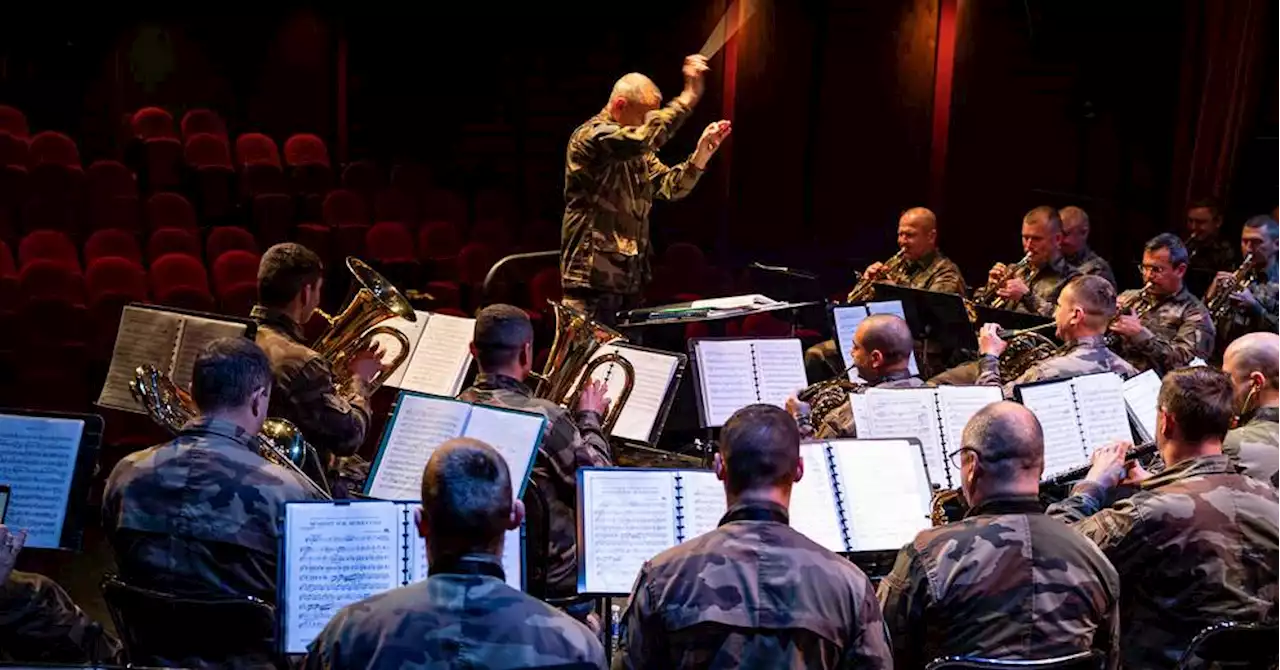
1142	395
193	335
958	404
442	357
886	495
145	337
702	502
781	369
38	457
625	517
1054	405
726	377
418	426
515	435
1103	415
655	371
901	413
815	509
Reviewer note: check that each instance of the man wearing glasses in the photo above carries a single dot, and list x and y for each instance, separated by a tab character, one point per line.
1174	326
1007	582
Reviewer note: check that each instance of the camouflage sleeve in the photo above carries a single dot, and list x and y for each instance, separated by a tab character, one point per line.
1268	296
904	595
672	183
1107	638
947	280
1194	338
611	141
989	375
40	623
331	418
641	633
1114	529
592	447
869	647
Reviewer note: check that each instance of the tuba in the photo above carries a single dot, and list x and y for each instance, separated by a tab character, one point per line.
577	339
280	441
1218	298
865	289
353	329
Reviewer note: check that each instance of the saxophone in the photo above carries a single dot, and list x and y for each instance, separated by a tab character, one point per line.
986	296
1218	298
865	289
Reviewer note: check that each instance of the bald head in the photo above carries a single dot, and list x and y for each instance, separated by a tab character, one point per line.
921	216
1007	455
1255	352
633	96
466	498
885	333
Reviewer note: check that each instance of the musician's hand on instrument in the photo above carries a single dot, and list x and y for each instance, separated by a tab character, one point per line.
996	274
695	67
366	363
798	409
1013	289
1126	326
874	270
712	137
989	342
592	398
1106	466
1223	278
10	546
1247	300
1135	474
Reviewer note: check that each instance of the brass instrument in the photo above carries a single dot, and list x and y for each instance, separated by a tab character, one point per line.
353	329
279	442
865	289
829	395
577	339
1218	298
1140	303
986	296
1025	348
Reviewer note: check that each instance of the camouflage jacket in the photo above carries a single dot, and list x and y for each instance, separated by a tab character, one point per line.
1085	356
571	442
1265	287
462	616
1088	262
39	623
199	515
1210	256
611	176
934	272
1045	284
752	593
1007	582
839	423
1195	545
1254	448
1177	329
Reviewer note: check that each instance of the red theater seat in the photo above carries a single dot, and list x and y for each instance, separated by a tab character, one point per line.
170	210
272	217
179	280
119	212
390	242
48	245
203	121
365	178
110	179
152	122
173	241
228	238
235	267
207	150
257	149
44	279
13	121
111	242
162	163
394	205
56	148
344	207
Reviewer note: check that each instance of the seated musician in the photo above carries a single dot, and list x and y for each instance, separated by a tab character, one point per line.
753	593
1085	307
1255	307
503	349
332	417
1075	245
200	515
881	354
1207	251
464	614
1197	543
1253	363
1174	327
1007	582
1036	290
924	268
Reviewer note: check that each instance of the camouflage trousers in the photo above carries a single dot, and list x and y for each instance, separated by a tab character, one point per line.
600	305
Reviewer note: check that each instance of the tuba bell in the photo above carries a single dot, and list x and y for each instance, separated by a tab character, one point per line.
577	339
353	329
279	442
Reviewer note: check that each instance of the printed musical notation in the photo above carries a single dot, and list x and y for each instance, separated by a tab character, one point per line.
813	500
193	335
38	460
654	371
1055	408
442	356
145	337
629	519
421	425
885	493
702	502
904	413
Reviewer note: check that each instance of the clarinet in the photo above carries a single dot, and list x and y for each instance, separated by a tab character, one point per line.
1135	453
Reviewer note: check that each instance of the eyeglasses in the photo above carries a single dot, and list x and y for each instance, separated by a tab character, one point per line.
955	458
1154	269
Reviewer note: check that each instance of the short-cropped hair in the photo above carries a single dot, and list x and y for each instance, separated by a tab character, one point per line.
1047	214
1211	204
466	492
1008	438
1095	295
284	270
227	370
1177	250
500	332
1201	400
1266	223
760	446
888	334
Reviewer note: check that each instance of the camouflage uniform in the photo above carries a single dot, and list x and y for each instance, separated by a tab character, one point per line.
1211	256
1265	287
1085	356
333	419
1007	582
571	442
1088	262
39	623
1194	545
612	175
462	617
1045	284
1177	329
752	593
1254	448
200	515
839	423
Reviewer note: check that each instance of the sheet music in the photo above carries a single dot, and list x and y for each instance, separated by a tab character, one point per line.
813	501
893	413
337	554
1055	408
958	404
703	501
37	461
1100	402
654	371
727	378
411	330
846	320
1142	393
514	434
145	336
780	365
418	427
4	503
734	302
194	334
512	558
886	493
442	357
628	517
894	307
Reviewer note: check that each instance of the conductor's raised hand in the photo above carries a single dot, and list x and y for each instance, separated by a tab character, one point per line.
592	398
712	137
695	67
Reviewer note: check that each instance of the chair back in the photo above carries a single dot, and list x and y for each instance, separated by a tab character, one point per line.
1085	660
158	628
537	540
1233	645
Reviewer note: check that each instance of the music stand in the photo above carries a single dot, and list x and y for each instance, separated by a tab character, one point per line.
940	317
76	504
1011	320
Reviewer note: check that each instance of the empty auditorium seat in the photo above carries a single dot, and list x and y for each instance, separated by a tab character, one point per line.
48	245
318	238
207	150
272	217
119	212
765	325
111	242
348	239
394	205
544	287
208	159
234	267
342	206
203	121
365	178
51	279
305	149
389	245
13	121
13	150
228	238
49	212
111	283
152	122
171	241
162	163
170	210
110	179
442	204
439	239
685	256
492	232
256	149
238	299
179	280
54	147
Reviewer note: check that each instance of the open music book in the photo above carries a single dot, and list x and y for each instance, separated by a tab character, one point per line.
935	416
440	353
1078	415
335	553
46	460
1142	395
847	318
169	340
856	495
657	376
735	372
420	423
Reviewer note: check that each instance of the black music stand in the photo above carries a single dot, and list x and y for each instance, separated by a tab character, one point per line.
1012	320
935	316
76	505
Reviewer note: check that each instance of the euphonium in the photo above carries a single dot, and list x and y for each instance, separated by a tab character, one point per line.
1140	303
353	329
1218	298
577	339
829	395
986	296
865	289
279	442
